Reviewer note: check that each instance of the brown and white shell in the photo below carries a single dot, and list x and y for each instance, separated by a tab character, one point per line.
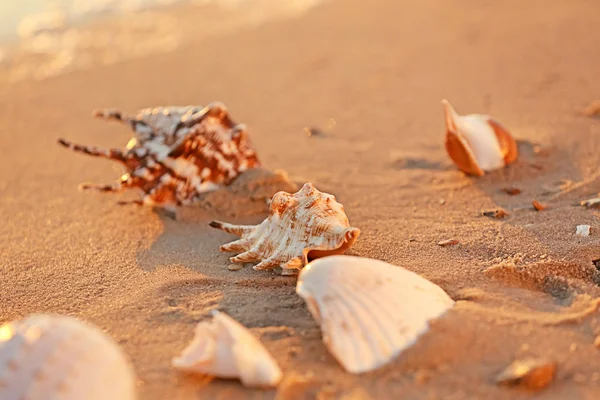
300	227
477	143
57	357
176	153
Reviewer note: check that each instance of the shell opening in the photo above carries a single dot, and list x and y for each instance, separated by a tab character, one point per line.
200	350
349	238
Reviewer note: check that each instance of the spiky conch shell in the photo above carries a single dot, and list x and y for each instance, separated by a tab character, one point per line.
225	348
301	226
369	311
55	357
477	143
176	154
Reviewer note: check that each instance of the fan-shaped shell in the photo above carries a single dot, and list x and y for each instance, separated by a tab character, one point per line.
225	348
369	311
477	143
52	357
301	226
176	153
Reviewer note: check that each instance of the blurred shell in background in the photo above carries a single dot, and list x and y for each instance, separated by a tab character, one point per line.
477	143
53	357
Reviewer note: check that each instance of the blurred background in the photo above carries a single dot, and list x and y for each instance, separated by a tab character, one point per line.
43	38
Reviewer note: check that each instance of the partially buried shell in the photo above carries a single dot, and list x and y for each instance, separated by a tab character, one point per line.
225	348
369	311
477	143
52	357
176	153
300	226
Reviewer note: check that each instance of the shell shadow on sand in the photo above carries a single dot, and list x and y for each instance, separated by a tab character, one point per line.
557	263
190	238
403	163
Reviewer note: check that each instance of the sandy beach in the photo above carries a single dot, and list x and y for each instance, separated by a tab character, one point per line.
525	285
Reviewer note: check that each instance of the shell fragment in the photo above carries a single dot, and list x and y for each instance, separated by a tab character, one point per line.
225	348
583	230
477	143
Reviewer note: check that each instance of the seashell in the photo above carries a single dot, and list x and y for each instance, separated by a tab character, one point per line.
477	143
538	206
498	213
591	203
300	227
530	373
583	230
225	348
369	310
512	191
448	242
55	357
176	153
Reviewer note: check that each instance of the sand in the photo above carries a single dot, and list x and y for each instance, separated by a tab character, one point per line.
526	285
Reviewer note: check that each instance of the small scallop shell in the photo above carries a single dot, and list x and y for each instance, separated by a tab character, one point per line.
225	348
477	143
53	357
301	226
176	153
369	310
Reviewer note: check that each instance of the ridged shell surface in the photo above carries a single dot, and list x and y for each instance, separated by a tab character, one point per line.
369	311
225	348
53	357
301	226
176	153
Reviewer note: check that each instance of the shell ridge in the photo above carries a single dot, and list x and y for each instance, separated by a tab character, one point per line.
334	318
237	245
247	256
383	307
277	255
383	341
370	311
368	353
61	357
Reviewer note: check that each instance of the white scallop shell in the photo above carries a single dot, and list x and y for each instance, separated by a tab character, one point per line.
476	142
369	310
54	357
225	348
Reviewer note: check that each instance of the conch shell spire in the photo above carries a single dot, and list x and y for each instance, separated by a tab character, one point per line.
477	143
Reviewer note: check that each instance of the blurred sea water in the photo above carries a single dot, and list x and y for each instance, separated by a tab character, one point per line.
40	39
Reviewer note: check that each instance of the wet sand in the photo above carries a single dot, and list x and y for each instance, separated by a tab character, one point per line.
525	285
